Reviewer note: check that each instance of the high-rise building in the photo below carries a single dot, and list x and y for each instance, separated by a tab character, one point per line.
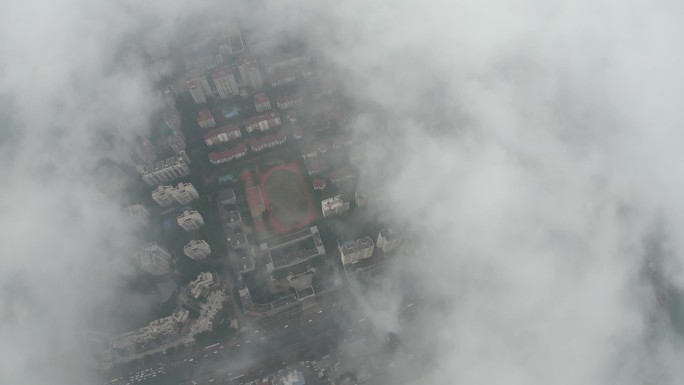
353	251
197	249
225	82
390	239
173	119
205	119
201	78
163	195
249	71
154	259
334	206
201	286
196	92
165	99
176	142
145	150
190	220
185	193
165	170
138	213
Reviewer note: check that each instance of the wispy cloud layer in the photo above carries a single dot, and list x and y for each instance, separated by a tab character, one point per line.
533	145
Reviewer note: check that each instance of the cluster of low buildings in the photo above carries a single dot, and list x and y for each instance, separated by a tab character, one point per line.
179	328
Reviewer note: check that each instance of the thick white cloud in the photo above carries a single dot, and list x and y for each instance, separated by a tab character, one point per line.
533	144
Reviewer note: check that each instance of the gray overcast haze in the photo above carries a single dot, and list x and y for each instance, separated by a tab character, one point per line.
534	146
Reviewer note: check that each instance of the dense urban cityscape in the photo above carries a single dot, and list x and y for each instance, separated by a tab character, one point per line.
248	192
312	192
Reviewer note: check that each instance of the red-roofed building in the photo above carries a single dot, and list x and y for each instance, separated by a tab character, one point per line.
222	135
205	119
342	174
313	150
316	165
284	77
324	88
268	141
255	201
310	70
297	132
331	110
291	116
290	59
236	152
262	122
288	101
262	102
247	178
318	184
341	140
225	82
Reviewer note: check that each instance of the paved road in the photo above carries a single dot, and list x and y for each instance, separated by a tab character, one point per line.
264	338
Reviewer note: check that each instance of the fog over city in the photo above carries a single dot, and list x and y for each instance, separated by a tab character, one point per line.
532	147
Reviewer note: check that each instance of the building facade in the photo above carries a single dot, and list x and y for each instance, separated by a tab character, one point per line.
249	71
205	119
284	77
190	220
334	206
204	283
176	142
236	152
268	141
390	239
222	135
225	82
138	213
196	91
184	193
154	259
163	195
197	249
173	119
165	170
289	101
354	251
262	122
262	102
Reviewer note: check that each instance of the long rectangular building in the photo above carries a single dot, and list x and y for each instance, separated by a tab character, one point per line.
262	122
222	135
292	249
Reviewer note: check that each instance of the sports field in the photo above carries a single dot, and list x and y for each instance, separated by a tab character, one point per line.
287	198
